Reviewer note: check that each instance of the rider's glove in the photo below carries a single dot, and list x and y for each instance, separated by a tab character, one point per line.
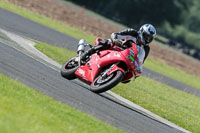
115	40
106	44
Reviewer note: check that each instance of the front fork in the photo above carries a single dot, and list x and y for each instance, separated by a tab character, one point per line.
81	49
79	58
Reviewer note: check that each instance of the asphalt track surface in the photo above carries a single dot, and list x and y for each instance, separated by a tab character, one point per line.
25	69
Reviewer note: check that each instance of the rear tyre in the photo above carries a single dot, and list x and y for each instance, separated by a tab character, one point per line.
104	83
69	68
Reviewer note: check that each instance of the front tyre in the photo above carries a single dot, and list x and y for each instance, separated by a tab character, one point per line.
103	83
69	68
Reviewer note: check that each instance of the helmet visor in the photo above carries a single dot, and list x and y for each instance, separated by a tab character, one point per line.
148	38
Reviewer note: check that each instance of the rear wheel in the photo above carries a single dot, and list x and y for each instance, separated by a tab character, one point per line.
69	68
106	82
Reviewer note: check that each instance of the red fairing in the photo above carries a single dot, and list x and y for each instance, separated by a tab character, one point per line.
111	57
91	69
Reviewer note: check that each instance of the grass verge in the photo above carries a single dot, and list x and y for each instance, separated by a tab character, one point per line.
24	110
173	73
176	106
58	54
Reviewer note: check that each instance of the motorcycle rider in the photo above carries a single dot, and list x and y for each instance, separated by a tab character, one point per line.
142	38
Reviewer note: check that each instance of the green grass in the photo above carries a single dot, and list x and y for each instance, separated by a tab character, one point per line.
58	54
174	105
173	73
23	110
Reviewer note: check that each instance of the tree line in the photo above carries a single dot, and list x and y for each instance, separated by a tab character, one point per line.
137	12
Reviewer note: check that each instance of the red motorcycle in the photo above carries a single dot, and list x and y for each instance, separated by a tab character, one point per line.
104	69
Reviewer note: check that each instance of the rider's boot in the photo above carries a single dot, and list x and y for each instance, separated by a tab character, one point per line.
102	45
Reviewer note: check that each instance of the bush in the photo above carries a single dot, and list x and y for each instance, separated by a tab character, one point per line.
182	34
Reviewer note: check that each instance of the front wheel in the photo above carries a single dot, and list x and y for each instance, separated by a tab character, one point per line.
69	68
103	82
